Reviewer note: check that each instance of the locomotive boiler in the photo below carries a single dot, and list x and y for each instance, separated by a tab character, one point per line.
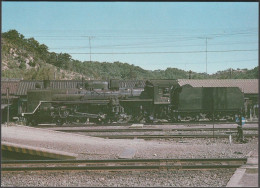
90	101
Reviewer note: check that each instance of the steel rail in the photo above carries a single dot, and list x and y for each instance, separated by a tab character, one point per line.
166	136
158	167
157	123
125	164
151	130
123	160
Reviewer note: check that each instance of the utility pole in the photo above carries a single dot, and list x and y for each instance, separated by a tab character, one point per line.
206	50
89	49
7	94
89	39
206	56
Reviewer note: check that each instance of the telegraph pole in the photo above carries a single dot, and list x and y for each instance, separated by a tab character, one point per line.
206	51
206	56
89	40
89	48
7	94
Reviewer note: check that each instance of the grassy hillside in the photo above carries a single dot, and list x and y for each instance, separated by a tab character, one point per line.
30	60
27	59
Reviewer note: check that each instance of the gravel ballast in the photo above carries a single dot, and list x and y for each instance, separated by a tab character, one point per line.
87	147
212	178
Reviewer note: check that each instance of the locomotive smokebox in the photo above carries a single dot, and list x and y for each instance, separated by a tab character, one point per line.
46	84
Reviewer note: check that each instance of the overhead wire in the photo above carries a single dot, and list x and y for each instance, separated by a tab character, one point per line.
217	62
146	35
170	52
114	46
164	38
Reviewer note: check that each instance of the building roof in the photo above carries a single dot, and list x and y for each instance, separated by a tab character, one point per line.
248	86
26	85
12	85
65	84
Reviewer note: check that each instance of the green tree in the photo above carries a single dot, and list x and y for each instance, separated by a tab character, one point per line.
11	35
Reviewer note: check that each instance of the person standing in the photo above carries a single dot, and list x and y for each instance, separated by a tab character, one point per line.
240	135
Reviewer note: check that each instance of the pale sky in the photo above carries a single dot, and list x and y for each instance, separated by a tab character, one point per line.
152	35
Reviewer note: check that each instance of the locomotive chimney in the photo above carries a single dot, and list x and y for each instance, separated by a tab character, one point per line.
46	84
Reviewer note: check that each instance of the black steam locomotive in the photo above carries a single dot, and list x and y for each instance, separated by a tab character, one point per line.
160	100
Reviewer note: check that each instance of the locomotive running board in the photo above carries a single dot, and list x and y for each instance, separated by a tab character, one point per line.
67	102
30	113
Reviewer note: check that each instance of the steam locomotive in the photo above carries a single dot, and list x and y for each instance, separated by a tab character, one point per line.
160	100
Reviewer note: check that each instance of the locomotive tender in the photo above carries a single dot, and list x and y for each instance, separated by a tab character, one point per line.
160	100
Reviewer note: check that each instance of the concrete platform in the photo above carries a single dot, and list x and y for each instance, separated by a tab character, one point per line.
31	139
246	175
36	151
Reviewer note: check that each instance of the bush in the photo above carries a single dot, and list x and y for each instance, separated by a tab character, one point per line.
22	65
32	63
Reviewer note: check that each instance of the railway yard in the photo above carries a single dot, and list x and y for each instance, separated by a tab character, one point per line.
180	154
126	95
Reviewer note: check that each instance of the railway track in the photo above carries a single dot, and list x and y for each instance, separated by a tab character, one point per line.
122	164
128	124
169	136
165	133
65	129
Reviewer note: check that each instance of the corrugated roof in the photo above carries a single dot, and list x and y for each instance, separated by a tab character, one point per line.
248	86
64	84
12	85
25	85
